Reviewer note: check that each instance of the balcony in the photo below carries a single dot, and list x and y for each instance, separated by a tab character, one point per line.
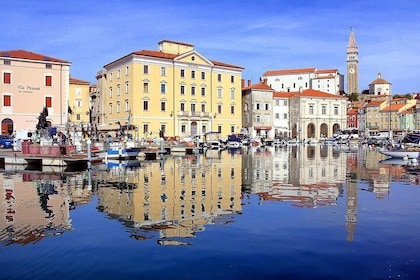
193	114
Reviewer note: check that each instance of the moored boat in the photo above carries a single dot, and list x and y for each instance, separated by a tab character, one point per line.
401	153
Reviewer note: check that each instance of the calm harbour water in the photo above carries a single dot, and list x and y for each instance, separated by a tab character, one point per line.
276	213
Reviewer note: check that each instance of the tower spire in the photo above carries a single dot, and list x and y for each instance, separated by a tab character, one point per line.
352	64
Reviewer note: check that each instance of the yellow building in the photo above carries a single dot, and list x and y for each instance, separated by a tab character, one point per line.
174	90
79	107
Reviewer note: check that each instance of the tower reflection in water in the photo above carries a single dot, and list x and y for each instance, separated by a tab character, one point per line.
175	197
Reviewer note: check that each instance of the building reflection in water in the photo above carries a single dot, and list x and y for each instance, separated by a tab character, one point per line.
307	176
175	197
37	205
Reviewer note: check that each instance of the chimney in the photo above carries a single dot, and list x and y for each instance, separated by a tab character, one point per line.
249	83
243	83
301	90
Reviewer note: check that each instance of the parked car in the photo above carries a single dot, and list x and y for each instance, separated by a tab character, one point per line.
6	141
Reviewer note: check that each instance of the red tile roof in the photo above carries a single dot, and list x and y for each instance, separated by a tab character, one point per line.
158	54
375	103
289	71
317	94
22	54
259	86
283	94
393	107
78	82
325	71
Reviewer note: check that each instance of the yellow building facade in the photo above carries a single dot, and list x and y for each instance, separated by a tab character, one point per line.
79	105
174	91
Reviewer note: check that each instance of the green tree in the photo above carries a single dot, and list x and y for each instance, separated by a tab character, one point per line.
354	96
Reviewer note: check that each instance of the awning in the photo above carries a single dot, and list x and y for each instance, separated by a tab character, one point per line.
262	127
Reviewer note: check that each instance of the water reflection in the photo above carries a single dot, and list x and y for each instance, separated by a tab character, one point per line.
37	205
175	197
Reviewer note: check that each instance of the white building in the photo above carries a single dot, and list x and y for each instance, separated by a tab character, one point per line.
316	114
281	116
257	105
380	86
292	80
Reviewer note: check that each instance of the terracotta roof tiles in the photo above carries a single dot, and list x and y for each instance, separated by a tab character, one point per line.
22	54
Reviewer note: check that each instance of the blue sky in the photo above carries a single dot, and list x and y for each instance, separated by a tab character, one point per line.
257	35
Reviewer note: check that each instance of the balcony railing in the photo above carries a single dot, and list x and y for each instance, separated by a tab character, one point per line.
193	114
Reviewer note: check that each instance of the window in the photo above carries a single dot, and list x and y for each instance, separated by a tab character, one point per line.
203	91
182	73
258	118
192	74
118	90
219	92
277	116
311	109
219	129
285	116
163	71
162	106
232	79
324	109
126	70
48	81
183	128
219	109
145	69
7	100
78	117
6	62
203	108
162	88
110	76
48	101
118	74
145	128
118	106
285	102
127	106
219	77
48	66
232	94
232	129
110	108
126	87
335	110
192	90
193	107
7	78
232	109
145	105
182	106
78	103
182	90
267	106
146	87
203	75
257	106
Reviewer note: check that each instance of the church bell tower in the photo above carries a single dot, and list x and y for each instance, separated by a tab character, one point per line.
352	65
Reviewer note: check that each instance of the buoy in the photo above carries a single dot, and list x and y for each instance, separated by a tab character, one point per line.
405	158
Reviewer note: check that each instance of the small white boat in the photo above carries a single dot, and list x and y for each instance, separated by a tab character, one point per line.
401	153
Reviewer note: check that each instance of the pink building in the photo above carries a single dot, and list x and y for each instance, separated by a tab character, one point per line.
31	82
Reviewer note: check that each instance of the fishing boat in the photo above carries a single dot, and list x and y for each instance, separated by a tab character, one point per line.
122	150
402	153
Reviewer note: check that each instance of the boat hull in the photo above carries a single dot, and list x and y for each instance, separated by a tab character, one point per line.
401	154
128	153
